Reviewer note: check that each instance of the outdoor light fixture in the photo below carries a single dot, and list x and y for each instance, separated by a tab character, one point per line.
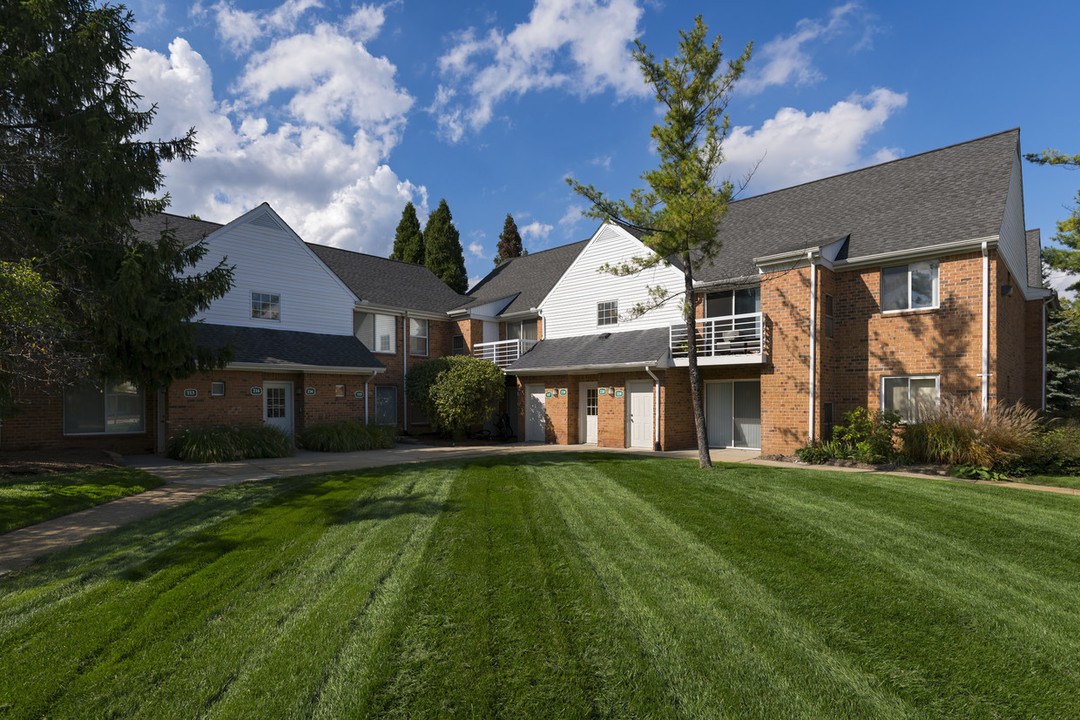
1006	290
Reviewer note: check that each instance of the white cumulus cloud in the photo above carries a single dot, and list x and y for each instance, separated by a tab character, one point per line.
794	147
326	173
535	230
582	46
784	59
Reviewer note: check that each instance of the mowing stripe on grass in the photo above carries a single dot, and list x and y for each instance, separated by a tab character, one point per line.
723	640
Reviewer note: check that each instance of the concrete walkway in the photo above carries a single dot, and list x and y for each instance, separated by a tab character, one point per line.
186	481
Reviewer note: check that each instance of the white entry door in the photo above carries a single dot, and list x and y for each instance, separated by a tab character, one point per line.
278	405
535	417
639	406
589	413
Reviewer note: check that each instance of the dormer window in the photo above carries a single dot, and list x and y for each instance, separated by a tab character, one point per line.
265	306
607	313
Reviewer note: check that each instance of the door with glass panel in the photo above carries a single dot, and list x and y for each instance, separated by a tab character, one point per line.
589	412
278	405
733	413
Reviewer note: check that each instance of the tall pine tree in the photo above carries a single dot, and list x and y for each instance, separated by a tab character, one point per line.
442	249
1063	359
408	240
509	241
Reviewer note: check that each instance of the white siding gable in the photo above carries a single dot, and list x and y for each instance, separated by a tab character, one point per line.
268	257
570	307
1012	240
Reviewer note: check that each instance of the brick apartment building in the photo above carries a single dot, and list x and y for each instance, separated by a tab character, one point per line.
886	287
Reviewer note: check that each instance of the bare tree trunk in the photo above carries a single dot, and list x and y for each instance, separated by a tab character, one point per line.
695	377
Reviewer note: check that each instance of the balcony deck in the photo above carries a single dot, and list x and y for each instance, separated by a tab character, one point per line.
504	352
732	340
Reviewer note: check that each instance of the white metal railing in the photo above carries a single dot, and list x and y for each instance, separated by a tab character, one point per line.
745	334
504	352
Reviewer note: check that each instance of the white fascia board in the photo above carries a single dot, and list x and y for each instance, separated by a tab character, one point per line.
920	253
297	367
593	239
367	307
521	314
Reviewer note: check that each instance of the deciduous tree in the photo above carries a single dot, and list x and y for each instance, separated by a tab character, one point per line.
681	208
408	239
442	249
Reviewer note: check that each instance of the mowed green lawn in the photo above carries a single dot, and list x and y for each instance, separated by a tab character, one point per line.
561	586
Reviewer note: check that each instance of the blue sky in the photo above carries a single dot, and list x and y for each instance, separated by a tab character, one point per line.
338	113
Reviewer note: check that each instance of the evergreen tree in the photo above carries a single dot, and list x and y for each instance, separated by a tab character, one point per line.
442	249
682	207
509	241
408	240
73	176
1063	358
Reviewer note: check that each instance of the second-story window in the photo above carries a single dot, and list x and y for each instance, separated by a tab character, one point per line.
265	306
909	287
377	332
607	313
524	330
733	302
827	312
418	337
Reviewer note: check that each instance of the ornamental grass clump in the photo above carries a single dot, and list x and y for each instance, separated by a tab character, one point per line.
226	443
957	432
347	436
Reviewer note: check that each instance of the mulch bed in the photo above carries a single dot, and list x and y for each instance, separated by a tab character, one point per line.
47	462
921	468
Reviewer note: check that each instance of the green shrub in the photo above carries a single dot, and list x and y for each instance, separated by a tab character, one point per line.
457	392
225	443
1055	450
347	436
957	432
865	436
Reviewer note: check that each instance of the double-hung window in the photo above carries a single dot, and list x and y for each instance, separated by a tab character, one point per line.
418	337
607	313
909	287
909	396
117	408
377	332
265	306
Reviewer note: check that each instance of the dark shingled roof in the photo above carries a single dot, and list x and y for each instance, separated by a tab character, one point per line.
951	194
187	229
287	347
639	347
391	283
529	277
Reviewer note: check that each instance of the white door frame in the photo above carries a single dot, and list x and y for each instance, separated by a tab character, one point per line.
530	392
705	399
289	424
583	420
640	386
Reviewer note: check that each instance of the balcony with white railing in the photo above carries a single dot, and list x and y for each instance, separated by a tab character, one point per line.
504	352
732	340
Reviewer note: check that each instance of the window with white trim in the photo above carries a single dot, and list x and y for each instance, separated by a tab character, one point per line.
909	396
385	405
217	388
116	408
909	287
265	306
377	332
418	337
607	313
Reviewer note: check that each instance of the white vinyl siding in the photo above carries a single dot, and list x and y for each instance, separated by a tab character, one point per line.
268	257
1012	240
569	309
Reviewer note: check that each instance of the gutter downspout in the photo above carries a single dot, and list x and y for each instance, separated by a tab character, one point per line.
813	342
986	330
656	408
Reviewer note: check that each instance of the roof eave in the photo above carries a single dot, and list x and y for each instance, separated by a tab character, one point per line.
300	367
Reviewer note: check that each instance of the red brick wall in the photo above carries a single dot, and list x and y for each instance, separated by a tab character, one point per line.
1008	379
785	396
38	423
1033	355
